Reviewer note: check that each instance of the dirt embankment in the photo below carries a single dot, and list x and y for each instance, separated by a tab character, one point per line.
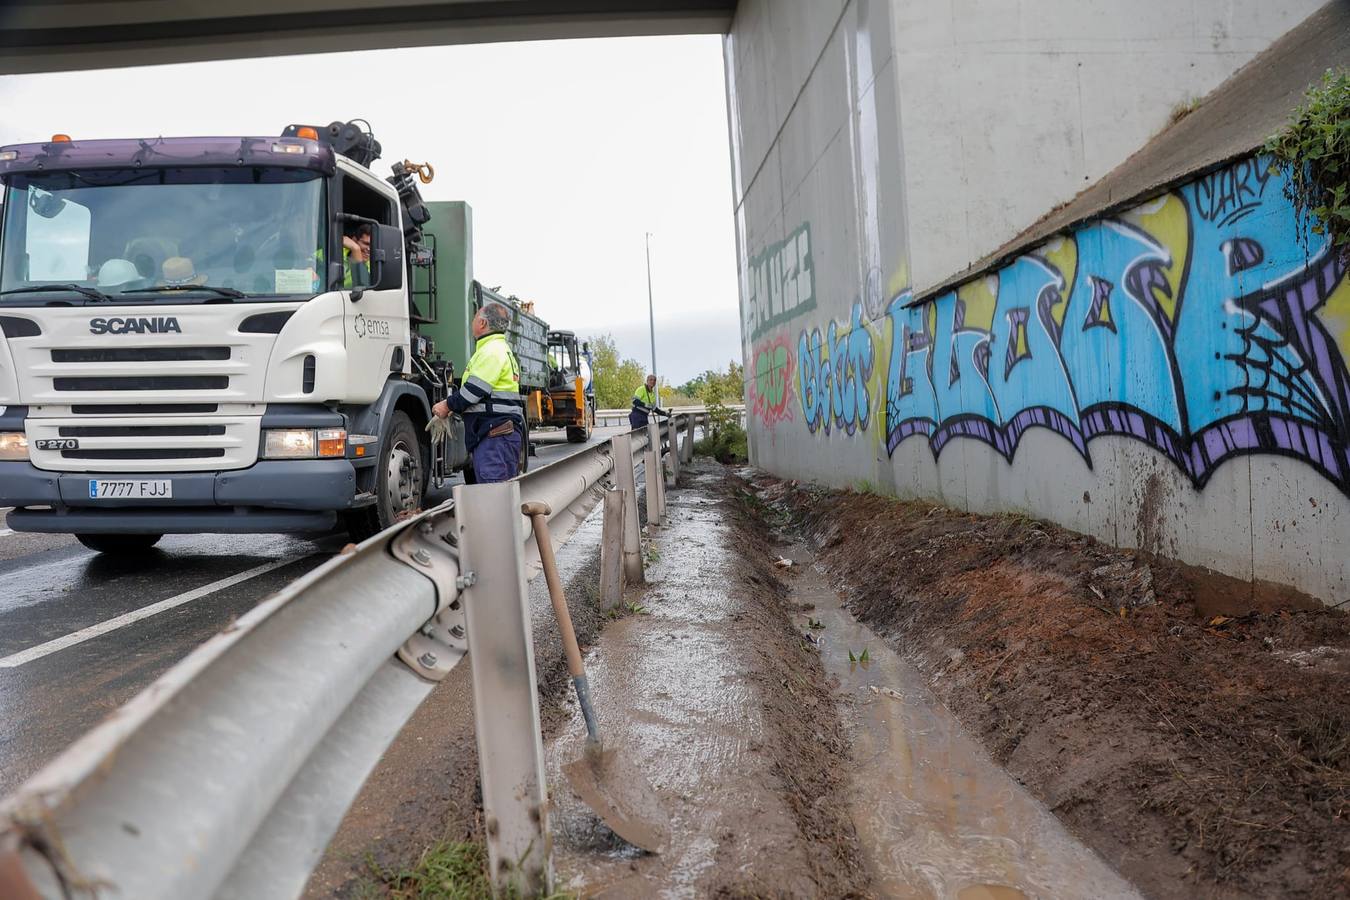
1204	755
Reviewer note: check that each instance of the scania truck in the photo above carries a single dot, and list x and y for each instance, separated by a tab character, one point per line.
188	348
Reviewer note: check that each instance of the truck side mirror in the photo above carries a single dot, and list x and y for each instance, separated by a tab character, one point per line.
386	258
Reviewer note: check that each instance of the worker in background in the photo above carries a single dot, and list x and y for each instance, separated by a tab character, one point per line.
489	399
644	404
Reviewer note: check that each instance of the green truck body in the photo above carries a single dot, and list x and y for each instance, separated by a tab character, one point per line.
457	296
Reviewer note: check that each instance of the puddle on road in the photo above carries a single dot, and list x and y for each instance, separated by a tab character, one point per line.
937	818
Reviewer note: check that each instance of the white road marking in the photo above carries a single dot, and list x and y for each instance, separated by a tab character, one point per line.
145	612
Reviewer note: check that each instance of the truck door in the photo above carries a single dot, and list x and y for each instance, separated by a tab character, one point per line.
375	322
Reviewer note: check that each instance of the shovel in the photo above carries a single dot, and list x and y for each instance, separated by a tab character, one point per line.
602	778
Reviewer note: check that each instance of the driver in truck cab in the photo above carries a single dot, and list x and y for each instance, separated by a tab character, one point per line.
489	399
356	256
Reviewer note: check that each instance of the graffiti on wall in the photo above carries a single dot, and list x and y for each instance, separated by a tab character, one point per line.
834	369
769	386
779	283
1208	323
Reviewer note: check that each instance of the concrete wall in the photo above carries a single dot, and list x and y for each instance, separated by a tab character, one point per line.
1012	108
1172	378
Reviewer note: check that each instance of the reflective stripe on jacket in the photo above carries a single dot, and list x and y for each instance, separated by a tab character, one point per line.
491	382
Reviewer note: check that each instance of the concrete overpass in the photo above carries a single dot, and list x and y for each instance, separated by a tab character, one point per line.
40	36
889	159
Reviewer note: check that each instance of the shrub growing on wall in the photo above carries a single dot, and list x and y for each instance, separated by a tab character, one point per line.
1314	152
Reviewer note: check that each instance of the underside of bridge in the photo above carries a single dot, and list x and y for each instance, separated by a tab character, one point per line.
40	36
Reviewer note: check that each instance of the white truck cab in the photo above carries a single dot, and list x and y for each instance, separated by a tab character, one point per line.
187	347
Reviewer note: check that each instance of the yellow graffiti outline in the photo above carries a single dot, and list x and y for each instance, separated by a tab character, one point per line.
1164	220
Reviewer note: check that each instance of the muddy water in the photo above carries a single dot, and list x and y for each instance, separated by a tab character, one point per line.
937	818
673	693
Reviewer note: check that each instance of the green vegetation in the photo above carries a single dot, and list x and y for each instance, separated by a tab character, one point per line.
726	439
616	378
1184	109
713	387
1314	153
450	870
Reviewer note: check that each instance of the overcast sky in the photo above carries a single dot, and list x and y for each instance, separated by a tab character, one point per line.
568	152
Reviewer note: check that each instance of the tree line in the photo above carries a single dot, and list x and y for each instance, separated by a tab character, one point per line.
616	378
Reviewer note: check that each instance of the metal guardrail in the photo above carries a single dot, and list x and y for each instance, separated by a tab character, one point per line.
605	417
228	776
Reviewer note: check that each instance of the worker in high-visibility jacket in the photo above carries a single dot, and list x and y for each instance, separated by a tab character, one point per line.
644	404
489	399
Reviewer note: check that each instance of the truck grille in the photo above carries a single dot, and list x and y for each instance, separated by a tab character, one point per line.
142	409
143	383
130	442
146	453
140	354
84	431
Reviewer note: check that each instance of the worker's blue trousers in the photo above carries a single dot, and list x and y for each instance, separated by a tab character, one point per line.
497	458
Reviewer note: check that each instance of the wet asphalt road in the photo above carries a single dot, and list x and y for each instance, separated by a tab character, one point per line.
141	616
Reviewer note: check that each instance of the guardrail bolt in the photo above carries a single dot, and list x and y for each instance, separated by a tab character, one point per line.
428	659
467	580
421	557
457	631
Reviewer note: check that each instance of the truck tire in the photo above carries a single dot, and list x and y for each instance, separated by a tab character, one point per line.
400	481
577	434
130	544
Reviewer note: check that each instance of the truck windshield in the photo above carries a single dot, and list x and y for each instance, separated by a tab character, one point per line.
257	231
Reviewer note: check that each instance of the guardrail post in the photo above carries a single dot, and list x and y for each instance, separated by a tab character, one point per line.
505	699
655	477
688	448
611	551
673	448
632	529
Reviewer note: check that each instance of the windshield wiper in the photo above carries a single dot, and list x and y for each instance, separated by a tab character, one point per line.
91	293
168	288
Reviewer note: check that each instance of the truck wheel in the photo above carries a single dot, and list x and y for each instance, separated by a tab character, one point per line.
524	450
577	434
400	481
119	543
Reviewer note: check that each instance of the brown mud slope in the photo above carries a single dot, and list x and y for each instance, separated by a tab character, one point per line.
1203	755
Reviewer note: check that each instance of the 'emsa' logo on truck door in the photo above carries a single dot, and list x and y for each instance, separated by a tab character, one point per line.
143	325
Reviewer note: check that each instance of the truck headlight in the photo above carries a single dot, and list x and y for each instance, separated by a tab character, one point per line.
289	443
304	443
13	445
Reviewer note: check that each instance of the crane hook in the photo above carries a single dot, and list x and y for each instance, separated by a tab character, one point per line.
424	171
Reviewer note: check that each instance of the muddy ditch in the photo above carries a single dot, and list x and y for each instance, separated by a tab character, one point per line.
776	826
711	691
1194	730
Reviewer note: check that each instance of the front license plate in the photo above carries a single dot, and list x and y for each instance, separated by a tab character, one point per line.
101	489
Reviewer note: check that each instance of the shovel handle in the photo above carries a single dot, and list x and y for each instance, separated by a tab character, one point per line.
539	519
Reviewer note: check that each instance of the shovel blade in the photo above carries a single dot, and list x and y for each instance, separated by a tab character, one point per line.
623	798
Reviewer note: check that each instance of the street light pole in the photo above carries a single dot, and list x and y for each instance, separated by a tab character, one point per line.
651	313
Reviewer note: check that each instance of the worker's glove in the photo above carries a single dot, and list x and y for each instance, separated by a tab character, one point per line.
439	429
